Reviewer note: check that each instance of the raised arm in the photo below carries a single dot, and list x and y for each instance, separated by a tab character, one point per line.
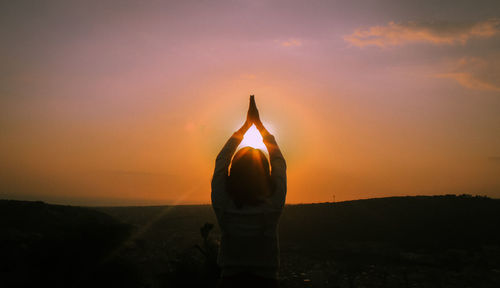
219	195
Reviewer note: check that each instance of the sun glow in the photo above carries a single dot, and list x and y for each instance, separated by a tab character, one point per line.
253	139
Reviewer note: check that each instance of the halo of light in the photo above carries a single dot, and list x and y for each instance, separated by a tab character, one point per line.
253	139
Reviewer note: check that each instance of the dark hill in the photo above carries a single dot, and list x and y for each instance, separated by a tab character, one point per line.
421	241
418	221
59	246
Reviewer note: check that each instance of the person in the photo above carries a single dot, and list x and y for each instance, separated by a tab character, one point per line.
248	203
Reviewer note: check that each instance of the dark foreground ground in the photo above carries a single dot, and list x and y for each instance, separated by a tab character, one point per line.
439	241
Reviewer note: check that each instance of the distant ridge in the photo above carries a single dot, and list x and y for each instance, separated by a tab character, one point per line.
421	197
430	221
69	246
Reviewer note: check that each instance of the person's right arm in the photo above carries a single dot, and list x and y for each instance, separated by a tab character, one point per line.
278	164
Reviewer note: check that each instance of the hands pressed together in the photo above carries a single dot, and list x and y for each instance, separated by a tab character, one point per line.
253	118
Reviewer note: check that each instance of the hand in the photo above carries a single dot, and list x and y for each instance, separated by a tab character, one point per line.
253	114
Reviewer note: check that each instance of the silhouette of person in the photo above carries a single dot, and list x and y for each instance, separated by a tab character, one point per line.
248	203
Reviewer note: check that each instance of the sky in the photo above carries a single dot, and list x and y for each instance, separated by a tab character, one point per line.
129	102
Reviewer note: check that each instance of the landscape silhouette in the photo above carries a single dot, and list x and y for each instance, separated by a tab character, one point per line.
417	241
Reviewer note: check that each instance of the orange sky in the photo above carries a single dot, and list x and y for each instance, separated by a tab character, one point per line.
124	103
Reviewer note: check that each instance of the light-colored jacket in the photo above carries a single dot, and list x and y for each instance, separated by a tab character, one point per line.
249	235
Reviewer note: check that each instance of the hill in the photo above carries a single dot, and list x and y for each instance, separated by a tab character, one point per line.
54	245
420	241
416	221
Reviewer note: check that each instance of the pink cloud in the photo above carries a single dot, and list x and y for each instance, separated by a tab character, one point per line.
292	42
395	34
476	73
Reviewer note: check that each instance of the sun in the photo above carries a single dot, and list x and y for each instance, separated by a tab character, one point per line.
253	139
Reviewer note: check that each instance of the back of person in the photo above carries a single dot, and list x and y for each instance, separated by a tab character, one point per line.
248	204
249	243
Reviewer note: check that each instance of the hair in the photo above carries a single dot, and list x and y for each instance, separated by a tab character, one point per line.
249	180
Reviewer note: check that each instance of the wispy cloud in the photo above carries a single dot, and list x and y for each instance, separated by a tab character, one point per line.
396	34
469	81
476	73
292	42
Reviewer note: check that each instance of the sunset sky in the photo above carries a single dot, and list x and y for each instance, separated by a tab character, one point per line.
129	102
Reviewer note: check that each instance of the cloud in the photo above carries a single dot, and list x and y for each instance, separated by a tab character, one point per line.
476	73
469	81
292	42
395	34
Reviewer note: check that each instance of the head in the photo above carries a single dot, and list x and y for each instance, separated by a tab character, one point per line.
249	181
